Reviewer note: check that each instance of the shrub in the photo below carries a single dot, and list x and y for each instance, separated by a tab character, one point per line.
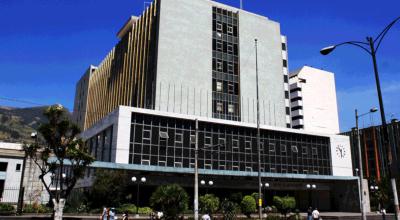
170	199
229	209
248	205
273	217
236	197
129	208
209	203
284	204
145	210
6	208
36	208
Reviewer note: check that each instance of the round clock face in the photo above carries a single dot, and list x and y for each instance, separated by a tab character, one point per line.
340	151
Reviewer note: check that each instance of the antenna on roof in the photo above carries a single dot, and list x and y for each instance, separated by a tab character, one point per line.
241	4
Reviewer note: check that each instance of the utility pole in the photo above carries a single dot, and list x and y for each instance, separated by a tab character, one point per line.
258	140
196	173
362	209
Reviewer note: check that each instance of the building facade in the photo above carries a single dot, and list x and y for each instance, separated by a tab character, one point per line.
313	100
11	166
373	150
171	69
201	65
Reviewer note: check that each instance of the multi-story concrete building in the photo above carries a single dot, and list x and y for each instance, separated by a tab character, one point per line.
202	65
171	68
313	100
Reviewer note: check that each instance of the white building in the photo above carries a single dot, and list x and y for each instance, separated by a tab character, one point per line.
11	162
313	100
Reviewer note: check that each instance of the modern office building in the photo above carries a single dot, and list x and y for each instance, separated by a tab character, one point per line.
204	65
373	151
313	100
171	69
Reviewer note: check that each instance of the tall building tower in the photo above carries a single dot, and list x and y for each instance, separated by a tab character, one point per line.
313	100
201	65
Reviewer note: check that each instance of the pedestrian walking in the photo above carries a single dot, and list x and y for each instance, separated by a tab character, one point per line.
125	216
112	214
104	214
205	217
315	214
309	213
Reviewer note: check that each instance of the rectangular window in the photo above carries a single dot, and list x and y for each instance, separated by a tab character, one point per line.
219	86
219	45
18	167
221	142
249	169
304	150
208	166
146	162
235	144
178	164
162	163
272	170
283	148
178	138
271	147
294	149
230	67
283	46
231	108
219	27
248	145
163	135
219	66
192	139
231	88
314	151
146	134
235	168
284	63
230	48
3	166
207	141
230	29
220	107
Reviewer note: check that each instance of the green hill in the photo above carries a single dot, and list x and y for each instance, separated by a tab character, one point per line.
17	124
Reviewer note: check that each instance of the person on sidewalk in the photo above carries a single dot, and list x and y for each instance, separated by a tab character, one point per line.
315	214
309	213
205	217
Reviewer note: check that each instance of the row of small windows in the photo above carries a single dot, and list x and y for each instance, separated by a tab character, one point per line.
224	66
235	142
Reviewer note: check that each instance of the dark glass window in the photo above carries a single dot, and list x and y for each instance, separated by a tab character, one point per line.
284	63
18	167
283	46
3	166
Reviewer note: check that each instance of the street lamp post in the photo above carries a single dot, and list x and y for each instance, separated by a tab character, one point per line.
362	208
258	138
135	180
371	46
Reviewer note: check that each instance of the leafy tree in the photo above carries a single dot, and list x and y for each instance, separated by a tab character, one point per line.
108	189
209	203
229	209
170	199
236	197
248	205
61	151
284	204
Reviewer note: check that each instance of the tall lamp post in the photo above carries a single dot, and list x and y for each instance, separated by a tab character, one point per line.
135	180
362	209
265	186
258	138
371	46
203	183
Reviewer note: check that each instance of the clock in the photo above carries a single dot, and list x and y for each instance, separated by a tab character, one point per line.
340	151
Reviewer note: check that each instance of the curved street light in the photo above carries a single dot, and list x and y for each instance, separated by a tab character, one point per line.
135	180
371	46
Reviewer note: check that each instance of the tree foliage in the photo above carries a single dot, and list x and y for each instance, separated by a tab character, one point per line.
248	205
108	189
60	152
170	199
284	204
229	209
209	203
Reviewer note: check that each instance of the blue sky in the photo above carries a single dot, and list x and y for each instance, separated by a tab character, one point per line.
45	46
